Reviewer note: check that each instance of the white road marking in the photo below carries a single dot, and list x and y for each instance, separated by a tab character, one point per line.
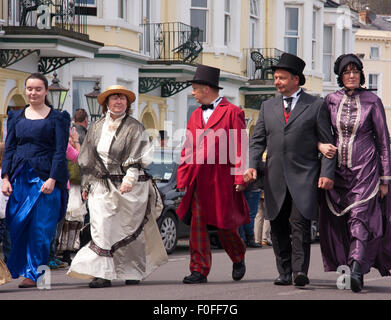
297	291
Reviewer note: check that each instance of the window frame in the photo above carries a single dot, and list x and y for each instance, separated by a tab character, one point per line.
378	52
88	4
254	24
80	95
371	84
289	36
328	54
252	14
124	5
87	9
146	46
13	8
315	38
227	22
345	39
205	34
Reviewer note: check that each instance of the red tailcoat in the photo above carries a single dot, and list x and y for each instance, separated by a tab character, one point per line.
212	161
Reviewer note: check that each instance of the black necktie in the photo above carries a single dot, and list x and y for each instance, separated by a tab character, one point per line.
207	106
289	104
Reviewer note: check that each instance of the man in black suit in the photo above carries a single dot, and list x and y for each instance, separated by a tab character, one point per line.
290	127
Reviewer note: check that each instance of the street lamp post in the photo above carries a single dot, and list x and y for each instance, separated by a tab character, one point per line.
57	93
92	101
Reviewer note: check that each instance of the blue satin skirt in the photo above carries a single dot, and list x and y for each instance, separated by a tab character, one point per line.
32	219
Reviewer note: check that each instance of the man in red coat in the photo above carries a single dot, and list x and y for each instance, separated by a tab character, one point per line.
211	172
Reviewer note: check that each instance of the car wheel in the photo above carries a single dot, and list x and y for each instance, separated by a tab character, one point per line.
168	230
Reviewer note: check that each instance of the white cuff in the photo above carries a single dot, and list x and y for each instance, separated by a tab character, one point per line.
131	176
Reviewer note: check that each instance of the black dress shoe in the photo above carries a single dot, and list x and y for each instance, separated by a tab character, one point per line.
100	283
132	282
194	278
301	279
238	270
283	280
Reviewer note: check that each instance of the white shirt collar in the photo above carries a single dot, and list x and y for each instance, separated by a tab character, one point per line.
208	112
109	118
295	95
216	102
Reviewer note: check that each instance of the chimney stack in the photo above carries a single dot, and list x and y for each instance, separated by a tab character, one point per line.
365	16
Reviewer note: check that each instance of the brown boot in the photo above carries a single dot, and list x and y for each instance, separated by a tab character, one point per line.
27	283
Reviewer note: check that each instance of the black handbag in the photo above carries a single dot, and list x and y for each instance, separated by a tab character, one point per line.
85	235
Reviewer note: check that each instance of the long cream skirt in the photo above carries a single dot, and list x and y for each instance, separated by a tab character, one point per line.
115	217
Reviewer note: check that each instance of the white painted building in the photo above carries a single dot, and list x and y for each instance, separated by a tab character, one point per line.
144	46
338	38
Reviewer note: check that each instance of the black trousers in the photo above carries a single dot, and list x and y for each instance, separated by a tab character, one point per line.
291	237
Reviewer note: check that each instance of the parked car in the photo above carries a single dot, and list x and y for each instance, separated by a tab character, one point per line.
163	170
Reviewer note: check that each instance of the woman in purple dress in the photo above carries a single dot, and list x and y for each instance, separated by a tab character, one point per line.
354	221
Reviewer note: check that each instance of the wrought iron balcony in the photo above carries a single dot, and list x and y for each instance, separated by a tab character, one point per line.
64	24
258	62
46	15
172	42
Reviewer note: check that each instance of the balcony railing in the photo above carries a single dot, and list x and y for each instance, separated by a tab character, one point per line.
46	14
257	62
172	42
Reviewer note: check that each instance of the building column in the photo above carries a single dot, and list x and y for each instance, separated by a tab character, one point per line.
162	115
3	110
3	107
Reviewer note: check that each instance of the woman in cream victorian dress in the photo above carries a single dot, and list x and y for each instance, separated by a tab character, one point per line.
123	202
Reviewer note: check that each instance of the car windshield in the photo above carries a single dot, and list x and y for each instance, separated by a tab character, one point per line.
165	161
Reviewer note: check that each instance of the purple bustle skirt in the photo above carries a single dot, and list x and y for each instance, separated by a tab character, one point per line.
362	234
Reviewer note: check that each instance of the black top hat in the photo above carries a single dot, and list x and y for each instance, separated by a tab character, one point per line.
207	75
293	64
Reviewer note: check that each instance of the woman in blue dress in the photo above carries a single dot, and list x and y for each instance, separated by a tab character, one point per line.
35	175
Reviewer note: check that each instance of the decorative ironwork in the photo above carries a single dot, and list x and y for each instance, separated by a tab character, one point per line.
190	50
148	84
263	65
49	64
48	14
10	56
259	61
169	86
172	41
